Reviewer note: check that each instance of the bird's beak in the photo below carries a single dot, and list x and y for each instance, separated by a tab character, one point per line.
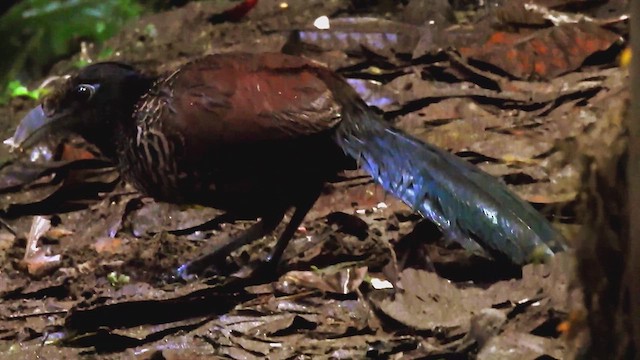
33	127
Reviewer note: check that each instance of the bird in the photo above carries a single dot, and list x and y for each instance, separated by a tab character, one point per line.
259	134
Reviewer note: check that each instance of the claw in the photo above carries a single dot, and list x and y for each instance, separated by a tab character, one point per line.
182	273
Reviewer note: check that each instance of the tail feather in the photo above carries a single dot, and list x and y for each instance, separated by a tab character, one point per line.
470	206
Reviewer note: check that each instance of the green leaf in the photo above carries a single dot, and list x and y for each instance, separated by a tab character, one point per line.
36	33
15	89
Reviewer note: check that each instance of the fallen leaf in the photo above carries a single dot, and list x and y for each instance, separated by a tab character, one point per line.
342	281
544	54
108	245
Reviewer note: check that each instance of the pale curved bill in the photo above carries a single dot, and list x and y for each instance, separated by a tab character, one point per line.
31	123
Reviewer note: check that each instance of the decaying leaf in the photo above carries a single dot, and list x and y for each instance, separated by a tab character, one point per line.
545	53
430	302
36	260
341	281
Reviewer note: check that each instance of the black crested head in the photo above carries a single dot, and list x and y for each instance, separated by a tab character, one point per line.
95	103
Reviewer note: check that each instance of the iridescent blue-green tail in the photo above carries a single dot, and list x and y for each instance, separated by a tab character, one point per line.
470	206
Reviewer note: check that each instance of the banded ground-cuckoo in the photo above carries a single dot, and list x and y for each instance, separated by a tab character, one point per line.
258	134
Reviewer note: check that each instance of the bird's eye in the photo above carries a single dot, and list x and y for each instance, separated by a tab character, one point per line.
84	92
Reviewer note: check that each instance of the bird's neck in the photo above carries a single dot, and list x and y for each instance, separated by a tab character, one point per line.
119	117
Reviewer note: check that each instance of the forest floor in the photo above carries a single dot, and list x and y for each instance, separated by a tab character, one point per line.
529	94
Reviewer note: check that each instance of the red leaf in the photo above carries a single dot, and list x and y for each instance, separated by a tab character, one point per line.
545	53
239	11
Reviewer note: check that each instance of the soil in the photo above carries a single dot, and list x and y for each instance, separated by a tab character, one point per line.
364	276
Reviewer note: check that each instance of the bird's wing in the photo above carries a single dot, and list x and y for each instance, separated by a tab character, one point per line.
233	99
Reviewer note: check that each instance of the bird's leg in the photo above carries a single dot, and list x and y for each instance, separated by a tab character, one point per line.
266	270
267	224
301	210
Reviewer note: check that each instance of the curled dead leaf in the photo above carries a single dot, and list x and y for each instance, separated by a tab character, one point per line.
343	281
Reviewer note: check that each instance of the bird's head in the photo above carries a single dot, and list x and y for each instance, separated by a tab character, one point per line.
89	103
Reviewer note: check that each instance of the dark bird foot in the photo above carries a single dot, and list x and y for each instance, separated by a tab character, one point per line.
204	266
182	274
259	273
266	270
215	257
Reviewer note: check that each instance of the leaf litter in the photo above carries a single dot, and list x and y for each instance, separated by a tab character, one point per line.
442	76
